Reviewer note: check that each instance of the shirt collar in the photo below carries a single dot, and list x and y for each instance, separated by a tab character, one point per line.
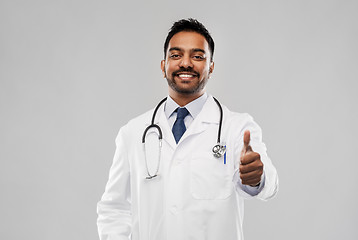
194	107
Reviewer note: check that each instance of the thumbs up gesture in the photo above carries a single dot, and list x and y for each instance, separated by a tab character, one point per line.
251	167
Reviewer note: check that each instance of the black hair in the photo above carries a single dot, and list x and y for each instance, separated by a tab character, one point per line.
189	25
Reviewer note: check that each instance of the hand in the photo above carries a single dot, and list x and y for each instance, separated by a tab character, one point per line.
251	167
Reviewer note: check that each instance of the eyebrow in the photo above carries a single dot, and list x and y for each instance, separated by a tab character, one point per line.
193	50
174	49
198	50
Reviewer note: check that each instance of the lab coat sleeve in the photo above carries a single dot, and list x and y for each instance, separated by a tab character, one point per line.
269	180
252	191
114	208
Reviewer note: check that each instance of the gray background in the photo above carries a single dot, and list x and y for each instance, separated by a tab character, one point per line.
73	72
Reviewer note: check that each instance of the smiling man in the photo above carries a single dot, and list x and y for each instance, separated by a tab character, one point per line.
203	162
187	66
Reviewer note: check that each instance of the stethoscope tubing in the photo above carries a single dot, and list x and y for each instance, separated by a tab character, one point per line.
221	119
154	125
218	150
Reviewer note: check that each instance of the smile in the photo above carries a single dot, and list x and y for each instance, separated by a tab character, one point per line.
186	76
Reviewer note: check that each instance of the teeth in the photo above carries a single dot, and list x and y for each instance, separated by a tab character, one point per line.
185	75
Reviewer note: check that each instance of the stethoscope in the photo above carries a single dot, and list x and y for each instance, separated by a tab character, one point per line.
218	150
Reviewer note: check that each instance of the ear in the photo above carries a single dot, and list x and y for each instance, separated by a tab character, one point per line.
211	68
162	66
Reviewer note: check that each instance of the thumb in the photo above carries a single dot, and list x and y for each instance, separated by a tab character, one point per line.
247	146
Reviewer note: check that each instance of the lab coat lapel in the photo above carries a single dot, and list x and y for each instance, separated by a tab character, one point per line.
210	114
162	121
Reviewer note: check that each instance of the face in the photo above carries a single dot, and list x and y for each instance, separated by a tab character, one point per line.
187	66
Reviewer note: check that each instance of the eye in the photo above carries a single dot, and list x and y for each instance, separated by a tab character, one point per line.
174	56
198	57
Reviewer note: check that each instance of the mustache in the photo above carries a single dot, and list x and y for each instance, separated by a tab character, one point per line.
183	69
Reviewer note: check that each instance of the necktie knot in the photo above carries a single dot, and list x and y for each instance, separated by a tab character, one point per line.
182	113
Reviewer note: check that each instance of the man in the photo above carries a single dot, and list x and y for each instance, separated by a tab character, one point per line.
184	191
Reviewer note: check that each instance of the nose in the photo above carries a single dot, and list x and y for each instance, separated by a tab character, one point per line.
186	62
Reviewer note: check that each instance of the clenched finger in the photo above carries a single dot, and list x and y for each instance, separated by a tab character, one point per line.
249	157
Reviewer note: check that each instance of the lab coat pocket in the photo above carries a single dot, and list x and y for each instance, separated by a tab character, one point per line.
210	178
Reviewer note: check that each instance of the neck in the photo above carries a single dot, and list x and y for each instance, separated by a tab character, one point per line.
184	99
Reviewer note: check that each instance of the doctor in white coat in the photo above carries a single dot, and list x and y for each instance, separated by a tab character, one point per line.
195	195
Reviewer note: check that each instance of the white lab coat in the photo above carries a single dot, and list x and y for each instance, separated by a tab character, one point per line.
195	196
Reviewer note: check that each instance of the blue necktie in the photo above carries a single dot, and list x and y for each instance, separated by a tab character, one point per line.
179	126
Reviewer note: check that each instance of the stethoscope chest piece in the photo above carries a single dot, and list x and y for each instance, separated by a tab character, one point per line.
219	150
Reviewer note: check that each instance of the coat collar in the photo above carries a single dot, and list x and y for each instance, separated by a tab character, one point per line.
210	112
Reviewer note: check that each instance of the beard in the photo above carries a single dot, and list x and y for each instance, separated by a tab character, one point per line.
186	91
